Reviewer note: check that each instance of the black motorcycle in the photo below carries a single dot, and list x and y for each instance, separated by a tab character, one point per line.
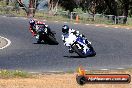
46	35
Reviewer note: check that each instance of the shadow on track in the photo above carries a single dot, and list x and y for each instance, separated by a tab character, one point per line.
72	56
77	56
46	43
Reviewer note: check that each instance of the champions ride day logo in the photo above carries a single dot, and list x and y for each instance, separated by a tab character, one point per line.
83	78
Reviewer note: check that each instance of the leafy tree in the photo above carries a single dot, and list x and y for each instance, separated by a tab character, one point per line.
30	10
108	7
68	4
53	6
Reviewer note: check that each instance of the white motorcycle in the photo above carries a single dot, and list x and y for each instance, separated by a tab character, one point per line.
79	45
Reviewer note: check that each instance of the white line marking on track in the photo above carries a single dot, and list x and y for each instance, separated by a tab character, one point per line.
104	69
9	42
127	28
15	17
97	25
106	26
34	72
65	22
75	23
55	21
87	24
55	71
115	27
120	68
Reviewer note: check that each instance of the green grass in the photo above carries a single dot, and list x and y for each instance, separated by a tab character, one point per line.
62	18
13	74
49	17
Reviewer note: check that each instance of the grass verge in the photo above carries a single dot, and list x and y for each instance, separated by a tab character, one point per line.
14	74
63	18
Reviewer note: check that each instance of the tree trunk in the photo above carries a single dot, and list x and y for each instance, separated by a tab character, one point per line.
53	6
31	12
22	5
125	10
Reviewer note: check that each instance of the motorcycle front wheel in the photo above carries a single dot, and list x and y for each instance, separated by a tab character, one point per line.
52	40
79	52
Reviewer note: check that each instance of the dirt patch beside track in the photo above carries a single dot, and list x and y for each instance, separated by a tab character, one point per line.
57	81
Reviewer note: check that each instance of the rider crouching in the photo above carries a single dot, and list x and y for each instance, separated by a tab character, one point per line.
66	32
34	26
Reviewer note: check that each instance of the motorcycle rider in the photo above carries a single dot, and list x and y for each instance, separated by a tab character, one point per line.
34	26
66	32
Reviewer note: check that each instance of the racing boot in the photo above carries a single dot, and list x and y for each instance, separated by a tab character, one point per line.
38	41
71	51
37	36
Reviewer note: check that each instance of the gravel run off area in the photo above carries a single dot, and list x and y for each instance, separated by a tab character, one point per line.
55	81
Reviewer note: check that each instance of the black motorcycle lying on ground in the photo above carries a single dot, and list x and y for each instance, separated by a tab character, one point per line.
44	34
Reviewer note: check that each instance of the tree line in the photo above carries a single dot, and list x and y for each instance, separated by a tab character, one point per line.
113	7
106	7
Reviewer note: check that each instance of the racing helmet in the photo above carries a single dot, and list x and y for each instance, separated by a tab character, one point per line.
32	22
65	29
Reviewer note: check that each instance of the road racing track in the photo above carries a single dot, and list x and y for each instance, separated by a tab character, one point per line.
113	47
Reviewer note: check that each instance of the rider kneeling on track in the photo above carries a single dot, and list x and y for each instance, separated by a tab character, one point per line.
67	32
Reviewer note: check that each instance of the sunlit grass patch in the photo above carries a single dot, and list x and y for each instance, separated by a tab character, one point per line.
13	73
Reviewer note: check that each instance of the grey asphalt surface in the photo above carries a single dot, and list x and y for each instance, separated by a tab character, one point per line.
113	47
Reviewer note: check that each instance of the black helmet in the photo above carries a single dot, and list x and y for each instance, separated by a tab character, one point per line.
65	29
